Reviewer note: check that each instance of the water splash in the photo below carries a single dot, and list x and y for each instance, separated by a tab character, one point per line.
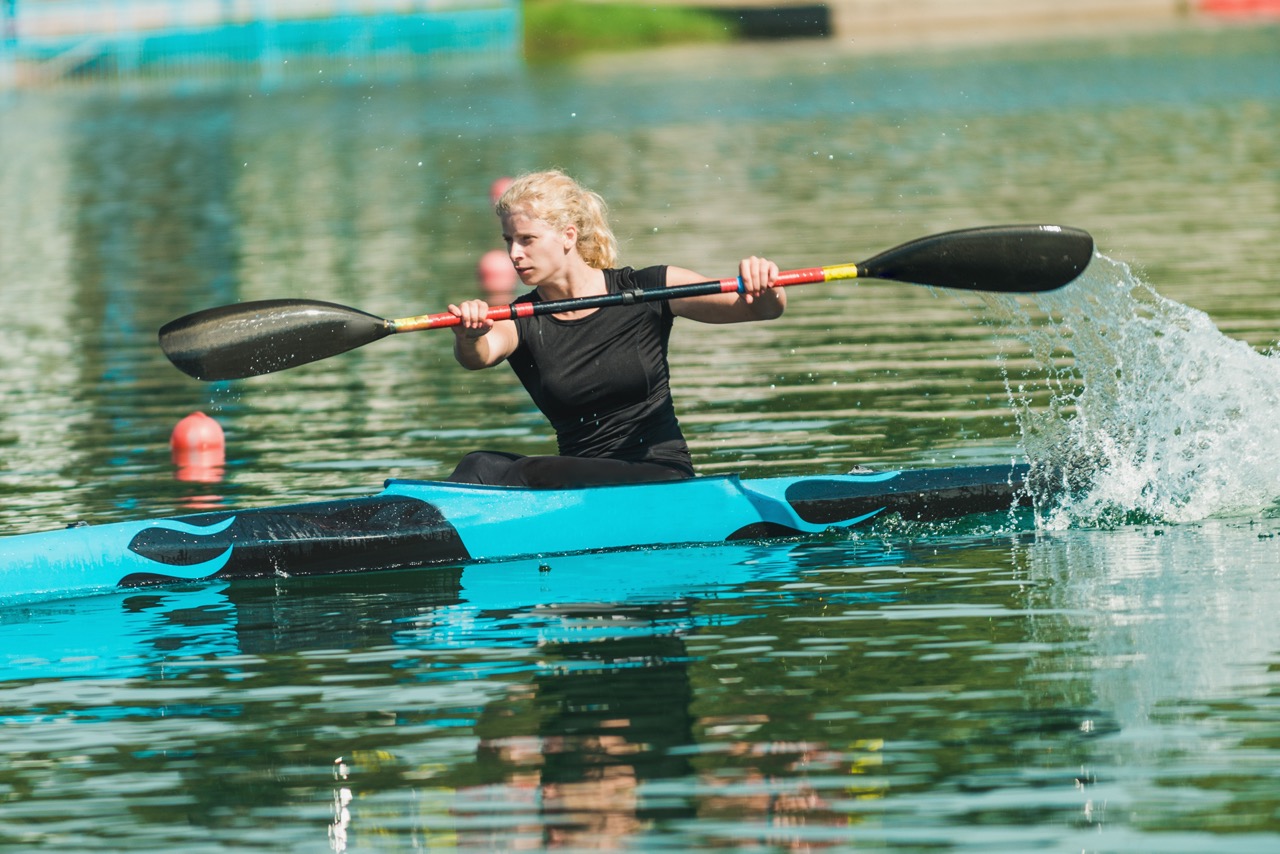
1138	404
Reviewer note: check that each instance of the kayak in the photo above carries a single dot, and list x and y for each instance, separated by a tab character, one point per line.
416	523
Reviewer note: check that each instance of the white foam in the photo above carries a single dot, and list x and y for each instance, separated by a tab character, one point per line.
1184	420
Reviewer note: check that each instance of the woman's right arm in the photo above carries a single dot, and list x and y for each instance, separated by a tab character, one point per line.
479	342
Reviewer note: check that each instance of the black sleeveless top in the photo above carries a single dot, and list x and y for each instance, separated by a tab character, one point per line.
603	380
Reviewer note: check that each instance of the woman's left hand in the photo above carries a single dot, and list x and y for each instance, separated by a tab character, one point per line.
757	275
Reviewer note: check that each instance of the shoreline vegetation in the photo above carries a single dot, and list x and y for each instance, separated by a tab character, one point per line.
556	29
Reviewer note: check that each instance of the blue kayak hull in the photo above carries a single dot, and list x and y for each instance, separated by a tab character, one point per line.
424	523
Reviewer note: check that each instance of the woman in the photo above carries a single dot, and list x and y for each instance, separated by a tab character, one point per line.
599	375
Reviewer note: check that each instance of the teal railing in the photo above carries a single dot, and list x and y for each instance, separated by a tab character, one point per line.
43	41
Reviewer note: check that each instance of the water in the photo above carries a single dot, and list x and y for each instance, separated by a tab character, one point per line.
1100	676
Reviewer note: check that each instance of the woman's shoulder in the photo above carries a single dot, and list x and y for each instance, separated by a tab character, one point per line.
628	278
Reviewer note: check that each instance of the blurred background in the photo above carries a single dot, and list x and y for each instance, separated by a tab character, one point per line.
160	157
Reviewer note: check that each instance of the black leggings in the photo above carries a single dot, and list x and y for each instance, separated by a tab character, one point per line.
498	468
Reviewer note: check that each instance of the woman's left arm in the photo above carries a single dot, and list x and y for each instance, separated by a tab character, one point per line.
758	301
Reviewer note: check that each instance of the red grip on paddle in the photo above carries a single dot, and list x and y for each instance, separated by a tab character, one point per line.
428	321
801	277
445	319
787	277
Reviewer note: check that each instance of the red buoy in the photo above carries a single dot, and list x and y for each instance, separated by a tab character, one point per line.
496	277
198	448
498	187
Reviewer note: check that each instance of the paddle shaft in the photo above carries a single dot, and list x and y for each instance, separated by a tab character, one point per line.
251	338
445	319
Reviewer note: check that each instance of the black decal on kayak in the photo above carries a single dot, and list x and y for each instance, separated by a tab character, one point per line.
379	532
764	531
184	547
924	495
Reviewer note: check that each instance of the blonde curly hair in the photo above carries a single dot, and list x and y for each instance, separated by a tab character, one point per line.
555	198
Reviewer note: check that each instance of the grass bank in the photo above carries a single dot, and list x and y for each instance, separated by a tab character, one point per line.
554	29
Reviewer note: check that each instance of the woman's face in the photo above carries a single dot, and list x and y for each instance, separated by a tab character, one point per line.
538	250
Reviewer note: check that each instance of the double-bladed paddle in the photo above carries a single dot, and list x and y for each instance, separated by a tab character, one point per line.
251	338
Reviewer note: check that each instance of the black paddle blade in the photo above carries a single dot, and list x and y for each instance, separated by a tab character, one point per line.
251	338
1010	258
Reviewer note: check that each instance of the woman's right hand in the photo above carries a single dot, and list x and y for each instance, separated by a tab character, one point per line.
475	321
479	342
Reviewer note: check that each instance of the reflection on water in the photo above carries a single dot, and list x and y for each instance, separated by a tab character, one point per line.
1073	687
876	691
1176	636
